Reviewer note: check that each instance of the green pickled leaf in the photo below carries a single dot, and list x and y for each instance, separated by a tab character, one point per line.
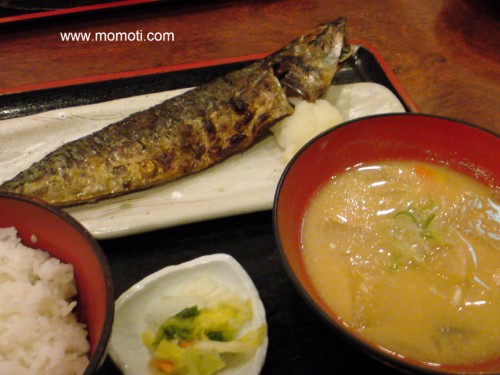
188	312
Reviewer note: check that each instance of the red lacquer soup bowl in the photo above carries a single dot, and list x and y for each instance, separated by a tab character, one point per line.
44	227
462	147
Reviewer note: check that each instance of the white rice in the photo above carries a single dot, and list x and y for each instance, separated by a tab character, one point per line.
39	333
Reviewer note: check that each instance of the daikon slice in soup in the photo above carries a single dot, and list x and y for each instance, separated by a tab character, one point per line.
407	254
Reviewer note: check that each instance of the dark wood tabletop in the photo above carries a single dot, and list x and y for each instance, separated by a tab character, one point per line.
445	53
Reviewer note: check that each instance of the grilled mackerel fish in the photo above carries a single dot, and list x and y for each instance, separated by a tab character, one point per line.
190	132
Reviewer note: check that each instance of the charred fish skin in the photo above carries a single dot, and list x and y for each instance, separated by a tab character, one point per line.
160	144
190	132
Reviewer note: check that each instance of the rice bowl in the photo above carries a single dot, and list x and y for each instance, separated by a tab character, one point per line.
40	333
60	302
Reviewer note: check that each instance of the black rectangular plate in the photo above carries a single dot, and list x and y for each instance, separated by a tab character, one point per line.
300	342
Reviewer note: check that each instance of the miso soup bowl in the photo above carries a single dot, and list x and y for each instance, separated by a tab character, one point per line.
463	147
42	226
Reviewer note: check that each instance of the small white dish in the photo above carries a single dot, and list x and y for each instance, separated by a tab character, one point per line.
133	307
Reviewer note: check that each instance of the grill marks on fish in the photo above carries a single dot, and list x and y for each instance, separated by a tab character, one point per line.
188	133
162	143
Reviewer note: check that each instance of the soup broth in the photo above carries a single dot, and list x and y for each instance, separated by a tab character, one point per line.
408	255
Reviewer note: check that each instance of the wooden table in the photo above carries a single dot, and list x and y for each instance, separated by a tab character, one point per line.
444	52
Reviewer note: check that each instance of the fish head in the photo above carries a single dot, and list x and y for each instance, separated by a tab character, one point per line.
306	66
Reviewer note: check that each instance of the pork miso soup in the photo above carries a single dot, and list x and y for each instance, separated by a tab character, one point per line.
407	254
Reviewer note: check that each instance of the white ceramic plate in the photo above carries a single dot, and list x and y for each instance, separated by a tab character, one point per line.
243	183
133	306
